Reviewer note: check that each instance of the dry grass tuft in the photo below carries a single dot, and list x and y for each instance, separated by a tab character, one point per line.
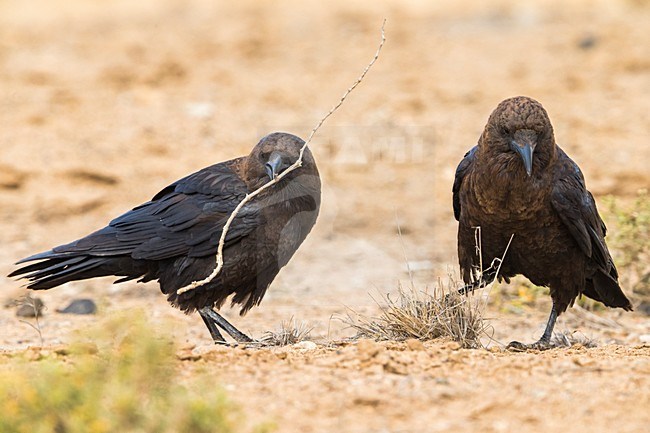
421	315
569	339
290	332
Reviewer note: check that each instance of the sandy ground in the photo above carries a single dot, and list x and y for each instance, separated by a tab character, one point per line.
104	103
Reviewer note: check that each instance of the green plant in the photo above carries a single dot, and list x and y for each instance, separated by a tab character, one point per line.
128	384
629	240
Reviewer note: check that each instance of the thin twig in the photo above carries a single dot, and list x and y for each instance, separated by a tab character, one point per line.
477	242
503	257
28	300
496	275
295	165
401	241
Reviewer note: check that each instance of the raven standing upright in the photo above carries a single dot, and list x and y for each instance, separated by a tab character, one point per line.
517	181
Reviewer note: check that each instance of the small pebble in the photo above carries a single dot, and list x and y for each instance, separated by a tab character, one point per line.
588	42
305	345
80	306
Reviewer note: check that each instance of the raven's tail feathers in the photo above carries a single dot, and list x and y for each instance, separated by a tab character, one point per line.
604	288
55	269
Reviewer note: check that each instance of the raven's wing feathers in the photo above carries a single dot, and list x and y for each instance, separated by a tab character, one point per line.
461	170
576	208
184	219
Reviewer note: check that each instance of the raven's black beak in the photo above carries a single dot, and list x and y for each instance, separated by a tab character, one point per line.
274	165
524	142
526	153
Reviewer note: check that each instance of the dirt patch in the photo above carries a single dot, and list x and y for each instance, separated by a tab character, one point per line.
371	386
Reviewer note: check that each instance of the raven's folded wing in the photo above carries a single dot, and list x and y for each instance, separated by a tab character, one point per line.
184	219
461	170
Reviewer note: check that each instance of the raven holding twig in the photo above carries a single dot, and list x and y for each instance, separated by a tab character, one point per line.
173	238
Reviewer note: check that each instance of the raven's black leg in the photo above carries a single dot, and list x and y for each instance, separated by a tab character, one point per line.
235	333
544	342
212	327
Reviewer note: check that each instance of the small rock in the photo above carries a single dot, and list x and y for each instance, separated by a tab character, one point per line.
645	338
80	306
588	42
200	110
305	345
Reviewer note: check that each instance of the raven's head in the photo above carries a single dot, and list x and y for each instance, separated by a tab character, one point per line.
274	154
520	126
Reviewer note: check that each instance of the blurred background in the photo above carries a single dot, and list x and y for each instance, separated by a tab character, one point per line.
104	103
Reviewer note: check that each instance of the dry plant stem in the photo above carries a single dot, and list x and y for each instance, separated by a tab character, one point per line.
425	316
477	242
496	275
36	327
295	165
290	332
401	241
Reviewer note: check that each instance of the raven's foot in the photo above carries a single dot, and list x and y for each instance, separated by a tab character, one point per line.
228	344
212	319
542	344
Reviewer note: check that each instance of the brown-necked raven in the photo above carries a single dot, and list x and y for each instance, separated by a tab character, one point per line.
517	181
